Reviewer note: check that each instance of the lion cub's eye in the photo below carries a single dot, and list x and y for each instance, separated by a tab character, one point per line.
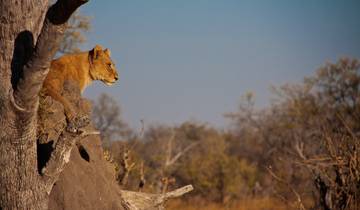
109	65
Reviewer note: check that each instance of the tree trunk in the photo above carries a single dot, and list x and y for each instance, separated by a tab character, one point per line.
29	36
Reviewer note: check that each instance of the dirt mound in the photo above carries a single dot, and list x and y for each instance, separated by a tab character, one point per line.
88	180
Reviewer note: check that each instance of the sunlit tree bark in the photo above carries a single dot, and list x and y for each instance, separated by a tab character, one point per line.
30	34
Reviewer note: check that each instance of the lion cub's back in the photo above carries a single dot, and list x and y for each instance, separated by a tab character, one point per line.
61	69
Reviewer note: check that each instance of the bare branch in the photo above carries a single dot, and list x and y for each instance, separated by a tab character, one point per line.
127	167
169	148
58	159
142	129
61	156
181	153
299	147
279	179
176	193
147	201
142	177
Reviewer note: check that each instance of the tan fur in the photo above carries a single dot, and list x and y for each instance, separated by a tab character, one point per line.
83	68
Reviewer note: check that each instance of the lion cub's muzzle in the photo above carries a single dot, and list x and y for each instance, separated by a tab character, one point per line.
112	81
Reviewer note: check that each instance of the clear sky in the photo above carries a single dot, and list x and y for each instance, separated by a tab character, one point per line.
193	59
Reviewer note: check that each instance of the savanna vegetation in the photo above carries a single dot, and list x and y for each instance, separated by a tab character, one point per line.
301	152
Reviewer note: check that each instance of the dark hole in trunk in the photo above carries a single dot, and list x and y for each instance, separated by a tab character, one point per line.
43	154
23	49
83	153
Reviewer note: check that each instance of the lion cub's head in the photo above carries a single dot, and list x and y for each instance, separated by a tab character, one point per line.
102	67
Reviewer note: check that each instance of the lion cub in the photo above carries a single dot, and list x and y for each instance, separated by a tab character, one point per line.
83	68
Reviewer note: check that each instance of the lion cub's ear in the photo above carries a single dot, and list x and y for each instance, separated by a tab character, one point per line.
107	52
96	52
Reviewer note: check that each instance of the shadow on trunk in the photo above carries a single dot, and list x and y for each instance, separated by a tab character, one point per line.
23	49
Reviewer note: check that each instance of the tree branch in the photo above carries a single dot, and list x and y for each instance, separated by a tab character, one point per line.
179	154
297	195
58	159
36	69
127	167
147	201
60	156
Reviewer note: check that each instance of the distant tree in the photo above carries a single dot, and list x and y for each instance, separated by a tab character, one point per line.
217	175
335	166
191	153
309	135
77	25
108	120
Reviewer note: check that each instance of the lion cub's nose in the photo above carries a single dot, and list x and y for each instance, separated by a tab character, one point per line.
116	77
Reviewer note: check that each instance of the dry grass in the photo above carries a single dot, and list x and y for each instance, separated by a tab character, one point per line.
265	203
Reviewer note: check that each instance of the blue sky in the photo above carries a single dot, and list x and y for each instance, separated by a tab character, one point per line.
193	59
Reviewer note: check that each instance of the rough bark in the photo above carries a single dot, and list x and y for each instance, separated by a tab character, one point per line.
23	67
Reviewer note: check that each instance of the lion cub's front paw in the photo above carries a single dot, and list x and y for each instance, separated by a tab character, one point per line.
76	123
71	128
